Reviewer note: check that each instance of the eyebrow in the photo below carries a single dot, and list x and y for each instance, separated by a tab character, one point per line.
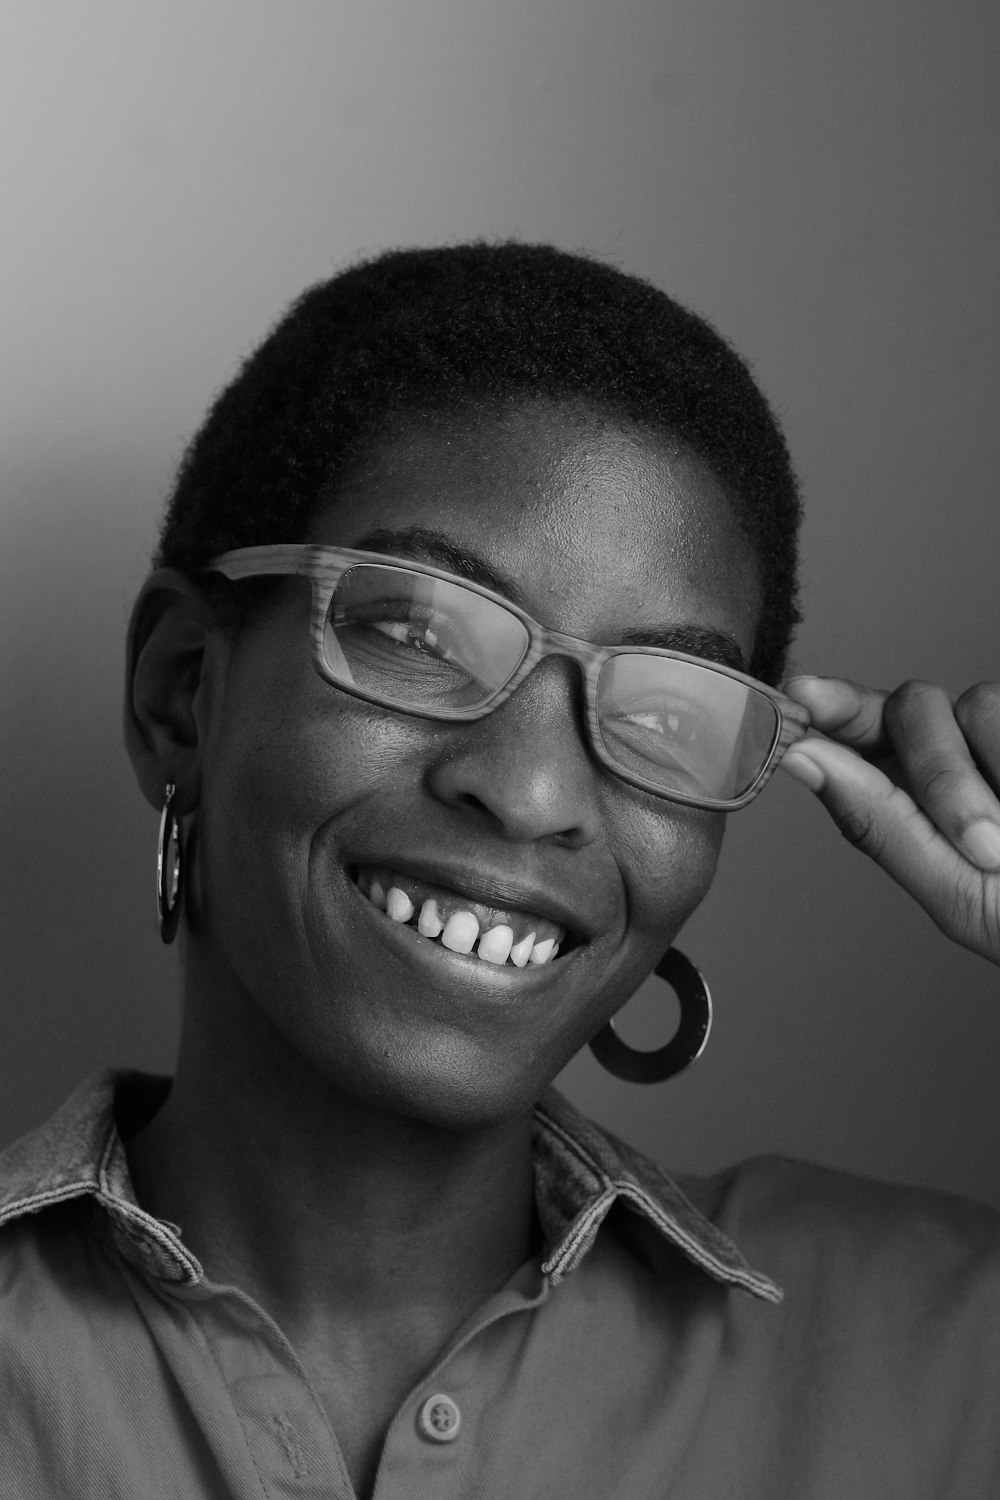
425	545
693	640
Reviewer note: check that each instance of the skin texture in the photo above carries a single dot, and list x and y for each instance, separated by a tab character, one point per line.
515	798
300	783
347	1138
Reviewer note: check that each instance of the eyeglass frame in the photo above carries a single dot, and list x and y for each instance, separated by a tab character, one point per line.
325	566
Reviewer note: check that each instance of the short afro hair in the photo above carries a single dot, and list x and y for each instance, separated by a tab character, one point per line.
467	328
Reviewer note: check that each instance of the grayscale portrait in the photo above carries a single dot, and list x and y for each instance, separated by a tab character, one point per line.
501	751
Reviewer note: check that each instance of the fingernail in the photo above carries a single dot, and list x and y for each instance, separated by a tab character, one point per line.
792	686
982	844
804	770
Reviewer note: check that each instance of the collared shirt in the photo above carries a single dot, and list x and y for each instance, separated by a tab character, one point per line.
639	1356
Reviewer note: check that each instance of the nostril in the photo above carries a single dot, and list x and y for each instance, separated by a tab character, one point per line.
522	799
470	801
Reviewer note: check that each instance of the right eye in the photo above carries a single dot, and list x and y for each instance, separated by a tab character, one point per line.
660	726
434	638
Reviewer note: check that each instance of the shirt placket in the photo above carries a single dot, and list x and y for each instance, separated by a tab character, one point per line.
278	1442
289	1448
432	1447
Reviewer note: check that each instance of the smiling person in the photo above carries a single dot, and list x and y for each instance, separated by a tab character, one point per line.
462	643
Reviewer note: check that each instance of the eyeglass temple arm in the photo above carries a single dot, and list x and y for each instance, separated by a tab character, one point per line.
252	562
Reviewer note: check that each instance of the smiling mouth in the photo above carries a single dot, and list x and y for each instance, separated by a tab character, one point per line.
440	915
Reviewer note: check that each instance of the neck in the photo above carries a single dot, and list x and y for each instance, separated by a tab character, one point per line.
329	1210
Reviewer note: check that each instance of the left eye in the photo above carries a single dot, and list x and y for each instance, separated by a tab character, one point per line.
675	724
412	633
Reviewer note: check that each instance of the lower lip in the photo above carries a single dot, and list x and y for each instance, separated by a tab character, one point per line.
466	967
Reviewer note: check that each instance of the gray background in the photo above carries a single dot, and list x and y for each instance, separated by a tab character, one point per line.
819	180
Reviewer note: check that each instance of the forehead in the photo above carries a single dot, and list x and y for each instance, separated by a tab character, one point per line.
601	526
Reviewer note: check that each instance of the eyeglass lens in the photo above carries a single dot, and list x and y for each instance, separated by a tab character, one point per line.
411	640
686	727
418	640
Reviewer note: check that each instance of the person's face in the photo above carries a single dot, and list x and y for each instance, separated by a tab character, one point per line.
308	792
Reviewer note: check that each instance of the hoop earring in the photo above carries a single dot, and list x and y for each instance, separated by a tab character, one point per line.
688	1041
169	873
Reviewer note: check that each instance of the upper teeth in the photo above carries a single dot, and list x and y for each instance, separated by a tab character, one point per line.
461	929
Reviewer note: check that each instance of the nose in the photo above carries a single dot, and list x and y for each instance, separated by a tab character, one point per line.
526	767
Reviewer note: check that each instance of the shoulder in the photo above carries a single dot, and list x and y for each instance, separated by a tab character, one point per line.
62	1188
850	1251
893	1280
812	1220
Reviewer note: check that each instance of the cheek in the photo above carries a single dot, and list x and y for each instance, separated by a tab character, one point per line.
287	762
668	858
665	856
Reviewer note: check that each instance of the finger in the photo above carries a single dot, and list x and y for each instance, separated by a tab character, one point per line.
939	770
871	812
978	712
844	710
885	821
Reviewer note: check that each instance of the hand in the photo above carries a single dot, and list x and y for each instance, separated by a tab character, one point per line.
911	778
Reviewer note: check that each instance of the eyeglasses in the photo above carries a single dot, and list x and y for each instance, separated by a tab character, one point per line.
414	638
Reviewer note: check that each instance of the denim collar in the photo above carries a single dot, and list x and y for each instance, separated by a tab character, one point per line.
581	1172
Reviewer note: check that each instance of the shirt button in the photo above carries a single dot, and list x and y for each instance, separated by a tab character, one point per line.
439	1419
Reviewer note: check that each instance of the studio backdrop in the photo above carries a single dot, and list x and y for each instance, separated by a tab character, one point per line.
818	180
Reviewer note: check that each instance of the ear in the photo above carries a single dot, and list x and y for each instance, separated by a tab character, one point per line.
167	639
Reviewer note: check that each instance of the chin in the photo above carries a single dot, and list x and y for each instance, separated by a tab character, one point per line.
454	1086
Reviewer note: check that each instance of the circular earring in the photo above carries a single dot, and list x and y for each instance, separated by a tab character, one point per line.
688	1041
169	876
